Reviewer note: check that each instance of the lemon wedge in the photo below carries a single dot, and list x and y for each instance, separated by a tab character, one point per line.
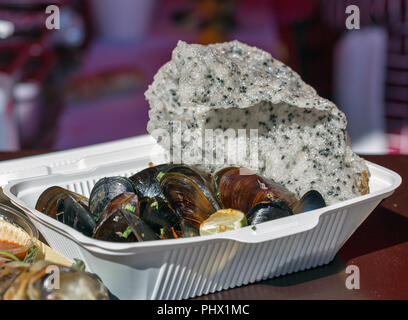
223	220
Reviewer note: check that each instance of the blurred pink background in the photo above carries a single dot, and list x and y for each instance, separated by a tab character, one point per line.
84	83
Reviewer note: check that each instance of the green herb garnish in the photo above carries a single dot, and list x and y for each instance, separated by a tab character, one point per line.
32	252
155	205
160	175
253	228
9	255
130	208
127	232
78	264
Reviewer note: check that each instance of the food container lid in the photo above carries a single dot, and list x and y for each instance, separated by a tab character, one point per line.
78	159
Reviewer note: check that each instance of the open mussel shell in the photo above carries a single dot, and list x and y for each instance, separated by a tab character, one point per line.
139	228
241	189
71	213
267	211
157	213
47	202
104	191
311	200
112	225
191	200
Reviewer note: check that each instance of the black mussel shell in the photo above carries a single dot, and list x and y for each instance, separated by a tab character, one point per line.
157	213
311	200
104	191
47	201
266	211
188	198
140	229
112	225
71	213
146	182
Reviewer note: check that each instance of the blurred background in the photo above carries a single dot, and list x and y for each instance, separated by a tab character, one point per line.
84	83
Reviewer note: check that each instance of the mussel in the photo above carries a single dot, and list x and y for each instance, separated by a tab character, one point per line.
157	213
71	213
22	281
112	225
268	210
47	202
189	197
139	228
193	172
146	182
104	191
311	200
241	189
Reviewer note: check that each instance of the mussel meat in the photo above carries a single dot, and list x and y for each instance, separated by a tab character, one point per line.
104	191
71	213
311	200
47	202
240	189
267	211
112	225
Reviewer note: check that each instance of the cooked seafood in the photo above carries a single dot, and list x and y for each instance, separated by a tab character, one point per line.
104	191
240	189
139	228
171	201
268	210
145	182
47	202
70	212
190	198
112	225
311	200
157	213
22	281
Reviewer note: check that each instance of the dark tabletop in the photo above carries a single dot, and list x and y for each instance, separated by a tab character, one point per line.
379	248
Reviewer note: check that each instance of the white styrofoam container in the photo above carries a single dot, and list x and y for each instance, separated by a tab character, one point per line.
189	267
